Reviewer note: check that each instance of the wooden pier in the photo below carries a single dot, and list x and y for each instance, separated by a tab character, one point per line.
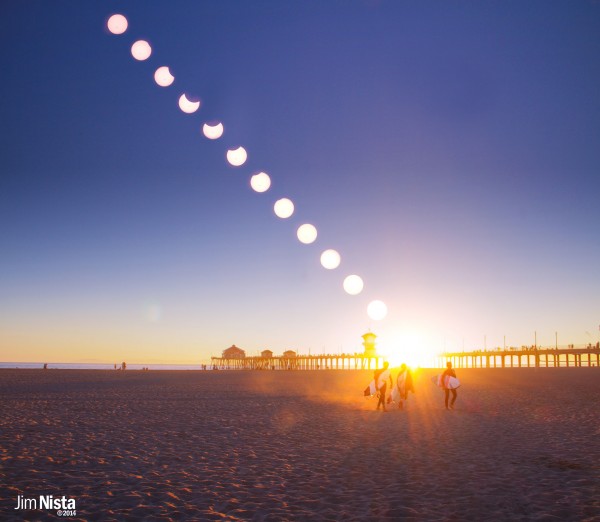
300	362
525	357
234	358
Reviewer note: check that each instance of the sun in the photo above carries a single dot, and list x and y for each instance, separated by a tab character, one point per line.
414	348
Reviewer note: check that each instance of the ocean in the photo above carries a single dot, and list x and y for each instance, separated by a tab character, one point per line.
94	366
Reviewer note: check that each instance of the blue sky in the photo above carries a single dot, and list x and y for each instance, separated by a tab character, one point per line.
448	150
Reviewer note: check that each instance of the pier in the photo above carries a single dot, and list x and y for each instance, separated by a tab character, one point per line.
524	357
234	358
300	362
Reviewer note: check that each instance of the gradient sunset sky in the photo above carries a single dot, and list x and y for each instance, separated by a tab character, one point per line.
450	151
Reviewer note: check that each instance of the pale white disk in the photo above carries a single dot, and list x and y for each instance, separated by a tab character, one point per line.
377	310
237	157
117	24
141	50
307	233
283	208
353	284
330	259
188	106
260	182
163	76
213	132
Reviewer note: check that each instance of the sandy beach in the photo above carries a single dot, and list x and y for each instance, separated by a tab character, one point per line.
522	444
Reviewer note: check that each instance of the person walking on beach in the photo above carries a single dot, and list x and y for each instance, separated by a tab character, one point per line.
444	384
404	384
381	376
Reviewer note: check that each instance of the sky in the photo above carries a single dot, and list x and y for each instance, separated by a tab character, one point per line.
449	151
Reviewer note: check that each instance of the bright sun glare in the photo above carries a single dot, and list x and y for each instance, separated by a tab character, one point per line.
415	349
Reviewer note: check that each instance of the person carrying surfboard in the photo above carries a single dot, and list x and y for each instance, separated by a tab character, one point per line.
444	384
381	376
404	384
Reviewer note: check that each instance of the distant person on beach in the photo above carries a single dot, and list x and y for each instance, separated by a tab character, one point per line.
404	384
381	376
448	373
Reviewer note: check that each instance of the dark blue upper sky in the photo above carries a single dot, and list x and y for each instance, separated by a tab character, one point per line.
448	150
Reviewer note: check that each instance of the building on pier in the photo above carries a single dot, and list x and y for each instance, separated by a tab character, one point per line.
234	358
233	352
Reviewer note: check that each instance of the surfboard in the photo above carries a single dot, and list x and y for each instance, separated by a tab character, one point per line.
451	382
371	389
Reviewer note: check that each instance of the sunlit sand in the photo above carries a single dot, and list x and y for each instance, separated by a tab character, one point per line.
522	444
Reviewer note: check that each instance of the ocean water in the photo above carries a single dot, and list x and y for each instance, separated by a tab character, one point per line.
92	366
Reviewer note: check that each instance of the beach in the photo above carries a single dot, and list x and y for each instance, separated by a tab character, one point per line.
522	444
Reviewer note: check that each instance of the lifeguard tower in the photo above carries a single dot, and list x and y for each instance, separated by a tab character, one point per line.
369	344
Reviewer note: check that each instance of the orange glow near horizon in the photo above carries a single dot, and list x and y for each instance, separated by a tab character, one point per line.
412	347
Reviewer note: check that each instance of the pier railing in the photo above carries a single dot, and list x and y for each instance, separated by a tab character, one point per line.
509	358
299	362
524	357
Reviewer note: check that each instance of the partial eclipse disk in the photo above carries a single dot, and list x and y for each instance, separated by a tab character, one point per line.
213	132
260	182
141	50
307	233
353	284
283	208
330	259
163	76
117	24
377	310
237	157
188	106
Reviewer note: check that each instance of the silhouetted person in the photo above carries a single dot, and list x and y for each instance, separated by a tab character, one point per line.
381	376
404	384
448	373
